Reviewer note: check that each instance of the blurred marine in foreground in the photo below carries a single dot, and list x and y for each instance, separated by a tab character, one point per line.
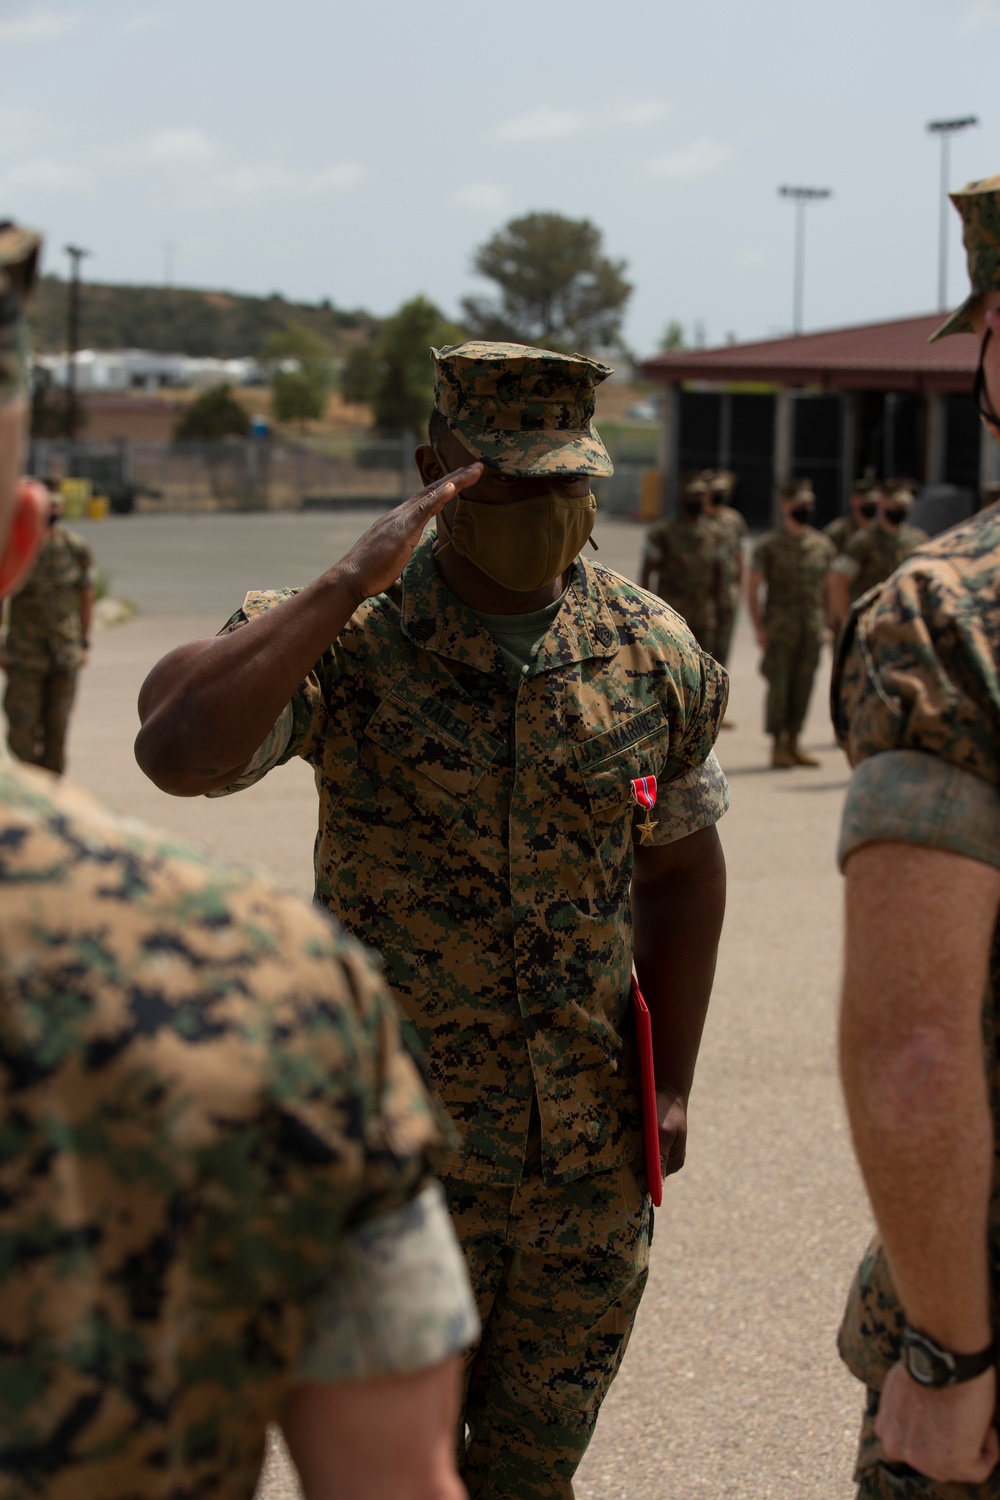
215	1207
916	701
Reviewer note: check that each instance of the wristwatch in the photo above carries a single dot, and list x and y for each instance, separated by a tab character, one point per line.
928	1364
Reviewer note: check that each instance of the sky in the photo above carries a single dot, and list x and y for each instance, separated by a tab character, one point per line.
362	152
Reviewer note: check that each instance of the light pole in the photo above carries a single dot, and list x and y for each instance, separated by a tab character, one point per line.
946	129
76	254
801	196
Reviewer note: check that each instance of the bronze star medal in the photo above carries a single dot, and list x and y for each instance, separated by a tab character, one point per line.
643	790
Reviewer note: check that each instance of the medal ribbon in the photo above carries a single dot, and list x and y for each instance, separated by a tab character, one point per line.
644	791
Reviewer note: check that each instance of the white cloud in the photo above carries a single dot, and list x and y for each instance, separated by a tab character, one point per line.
39	23
542	124
978	15
141	21
271	181
692	162
483	198
642	112
47	175
183	146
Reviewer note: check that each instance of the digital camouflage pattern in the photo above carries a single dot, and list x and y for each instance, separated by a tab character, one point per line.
916	706
686	554
794	569
19	252
978	204
732	529
44	650
872	554
522	410
842	529
572	1257
44	633
478	830
203	1086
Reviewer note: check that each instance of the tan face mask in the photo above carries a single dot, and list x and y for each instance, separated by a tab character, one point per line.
523	545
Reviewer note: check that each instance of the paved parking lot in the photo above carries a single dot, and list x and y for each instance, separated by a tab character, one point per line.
732	1385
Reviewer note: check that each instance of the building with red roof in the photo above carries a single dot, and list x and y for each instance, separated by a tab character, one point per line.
876	399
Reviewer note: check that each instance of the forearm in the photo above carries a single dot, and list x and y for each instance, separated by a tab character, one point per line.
912	1064
206	707
678	916
838	598
86	612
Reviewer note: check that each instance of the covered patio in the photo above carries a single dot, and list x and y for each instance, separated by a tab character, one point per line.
876	398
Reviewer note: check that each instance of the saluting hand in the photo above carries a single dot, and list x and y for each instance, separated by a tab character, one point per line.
380	555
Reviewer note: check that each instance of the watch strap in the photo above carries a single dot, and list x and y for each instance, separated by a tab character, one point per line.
931	1365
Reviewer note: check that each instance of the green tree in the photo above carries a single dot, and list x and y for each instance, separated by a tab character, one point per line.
301	374
357	378
673	337
213	415
401	391
556	287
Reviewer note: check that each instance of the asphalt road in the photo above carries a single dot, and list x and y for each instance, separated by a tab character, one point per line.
731	1386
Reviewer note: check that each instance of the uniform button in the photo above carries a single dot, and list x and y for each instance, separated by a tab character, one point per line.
525	670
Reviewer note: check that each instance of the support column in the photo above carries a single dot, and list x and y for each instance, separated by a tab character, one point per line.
782	462
725	430
989	458
848	443
669	446
934	449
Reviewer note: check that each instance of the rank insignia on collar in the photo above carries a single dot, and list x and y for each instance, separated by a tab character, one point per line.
643	790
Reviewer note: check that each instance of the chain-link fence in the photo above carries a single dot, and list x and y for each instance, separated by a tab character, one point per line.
235	474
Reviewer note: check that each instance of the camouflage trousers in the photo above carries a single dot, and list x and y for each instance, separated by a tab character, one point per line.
789	666
882	1481
558	1273
37	705
725	623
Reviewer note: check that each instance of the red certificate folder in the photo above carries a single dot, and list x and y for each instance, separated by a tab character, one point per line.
647	1094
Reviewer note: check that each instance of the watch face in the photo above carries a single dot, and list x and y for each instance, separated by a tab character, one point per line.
920	1364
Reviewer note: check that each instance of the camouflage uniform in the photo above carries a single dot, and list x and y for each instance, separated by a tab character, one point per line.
733	531
211	1129
686	557
842	529
873	554
44	650
916	707
794	569
475	824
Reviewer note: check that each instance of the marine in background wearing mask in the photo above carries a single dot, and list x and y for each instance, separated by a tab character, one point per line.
791	565
871	555
481	705
861	512
682	561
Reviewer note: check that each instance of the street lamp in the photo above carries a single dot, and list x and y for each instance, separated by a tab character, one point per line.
946	129
801	196
76	255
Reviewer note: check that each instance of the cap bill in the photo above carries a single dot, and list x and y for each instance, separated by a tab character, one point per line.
960	320
528	453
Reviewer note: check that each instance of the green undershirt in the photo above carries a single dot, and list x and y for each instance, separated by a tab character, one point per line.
519	636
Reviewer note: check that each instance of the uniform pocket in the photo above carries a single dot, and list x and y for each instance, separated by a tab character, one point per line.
409	788
608	764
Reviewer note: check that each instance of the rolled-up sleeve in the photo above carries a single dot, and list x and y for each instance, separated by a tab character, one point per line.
398	1299
909	797
695	800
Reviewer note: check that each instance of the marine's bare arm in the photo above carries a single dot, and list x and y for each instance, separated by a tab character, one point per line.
207	706
678	904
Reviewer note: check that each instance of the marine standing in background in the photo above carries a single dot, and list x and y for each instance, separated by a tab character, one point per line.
861	512
215	1199
792	566
681	561
732	531
48	637
871	555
